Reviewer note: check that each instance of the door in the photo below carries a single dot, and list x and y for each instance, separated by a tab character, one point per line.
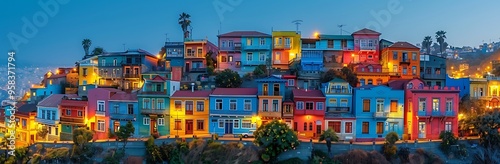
32	138
228	127
318	130
189	126
153	126
187	67
92	126
421	129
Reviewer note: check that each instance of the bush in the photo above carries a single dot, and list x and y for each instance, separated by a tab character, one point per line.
361	156
391	138
389	150
486	156
426	157
448	139
404	154
462	151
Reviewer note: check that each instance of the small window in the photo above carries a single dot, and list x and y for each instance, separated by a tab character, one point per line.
161	121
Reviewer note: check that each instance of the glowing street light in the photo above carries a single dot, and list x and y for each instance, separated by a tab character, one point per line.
316	34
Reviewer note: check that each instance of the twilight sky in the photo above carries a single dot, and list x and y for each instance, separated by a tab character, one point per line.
57	36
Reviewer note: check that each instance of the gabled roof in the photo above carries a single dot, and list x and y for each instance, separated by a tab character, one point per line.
78	103
271	79
62	75
385	40
403	45
159	78
123	96
244	34
54	100
26	108
366	31
191	94
308	93
235	91
129	52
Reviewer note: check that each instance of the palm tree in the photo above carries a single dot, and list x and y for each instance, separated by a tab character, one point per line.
426	44
440	36
86	45
185	22
98	51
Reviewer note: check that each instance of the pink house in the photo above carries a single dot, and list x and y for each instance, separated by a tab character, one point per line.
98	110
428	110
365	47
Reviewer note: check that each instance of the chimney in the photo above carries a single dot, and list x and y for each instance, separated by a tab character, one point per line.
192	87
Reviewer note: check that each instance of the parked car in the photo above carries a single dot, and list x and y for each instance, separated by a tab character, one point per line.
247	135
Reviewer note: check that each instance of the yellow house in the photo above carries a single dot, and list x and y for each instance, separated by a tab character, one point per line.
26	129
286	48
88	75
189	113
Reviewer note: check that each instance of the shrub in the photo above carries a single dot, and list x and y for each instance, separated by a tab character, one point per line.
448	139
361	156
265	157
391	138
389	150
426	157
486	156
404	154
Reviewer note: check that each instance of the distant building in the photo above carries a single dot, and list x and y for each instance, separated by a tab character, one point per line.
74	115
433	70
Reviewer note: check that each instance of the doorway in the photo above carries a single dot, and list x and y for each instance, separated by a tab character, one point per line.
318	130
153	126
189	126
228	127
187	67
421	129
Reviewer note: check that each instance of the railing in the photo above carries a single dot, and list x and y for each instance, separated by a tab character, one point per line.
237	46
282	46
130	75
280	62
308	46
179	55
405	60
130	64
367	48
437	113
174	43
256	47
100	113
45	121
394	73
337	109
121	116
421	113
227	49
252	62
380	114
198	70
154	111
110	76
109	65
72	120
164	92
433	76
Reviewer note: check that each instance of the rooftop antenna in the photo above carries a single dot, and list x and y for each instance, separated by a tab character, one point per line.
297	23
166	37
340	26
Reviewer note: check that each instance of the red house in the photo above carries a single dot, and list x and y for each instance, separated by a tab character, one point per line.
309	112
73	115
428	110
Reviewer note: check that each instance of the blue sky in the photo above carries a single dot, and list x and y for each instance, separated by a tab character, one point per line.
138	24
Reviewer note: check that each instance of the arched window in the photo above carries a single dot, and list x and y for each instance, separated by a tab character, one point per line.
421	86
362	82
410	85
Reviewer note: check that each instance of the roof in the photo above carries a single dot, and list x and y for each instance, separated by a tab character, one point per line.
289	76
123	96
403	45
385	40
336	79
191	94
398	84
366	31
54	100
271	79
159	78
128	52
308	93
235	91
26	108
244	33
57	76
346	37
78	103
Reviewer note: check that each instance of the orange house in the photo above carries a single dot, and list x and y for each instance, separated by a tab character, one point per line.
401	60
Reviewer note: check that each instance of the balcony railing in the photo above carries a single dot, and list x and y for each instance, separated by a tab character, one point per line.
154	111
404	60
433	76
100	113
282	46
46	121
121	116
252	62
164	92
257	47
175	55
337	109
198	70
437	114
130	75
380	114
308	46
449	114
421	113
109	65
72	120
280	62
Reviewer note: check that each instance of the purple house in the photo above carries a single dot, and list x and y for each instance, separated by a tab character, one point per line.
98	110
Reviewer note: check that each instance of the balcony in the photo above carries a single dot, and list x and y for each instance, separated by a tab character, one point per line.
198	70
437	114
130	63
100	113
237	46
130	75
175	55
109	65
109	76
72	120
394	74
308	46
433	76
46	122
405	61
380	114
228	49
449	114
257	47
255	63
154	111
280	62
337	109
151	92
422	113
120	116
193	55
282	46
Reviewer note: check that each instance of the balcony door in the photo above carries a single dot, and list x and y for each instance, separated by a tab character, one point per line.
187	67
189	127
421	129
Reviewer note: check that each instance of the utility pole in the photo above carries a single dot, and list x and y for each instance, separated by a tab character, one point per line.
340	26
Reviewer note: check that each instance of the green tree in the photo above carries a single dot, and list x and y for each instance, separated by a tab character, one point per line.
275	137
329	136
210	62
448	139
260	71
125	132
153	154
328	76
42	132
86	43
389	149
185	22
487	126
440	37
228	79
82	151
97	51
426	44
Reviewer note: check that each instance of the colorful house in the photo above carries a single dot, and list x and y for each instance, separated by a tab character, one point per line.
473	87
401	60
74	115
309	112
433	70
366	47
26	129
154	104
174	57
123	107
194	55
334	47
339	114
48	116
286	48
428	110
51	84
233	111
493	92
88	75
189	112
99	110
242	51
370	73
378	111
271	93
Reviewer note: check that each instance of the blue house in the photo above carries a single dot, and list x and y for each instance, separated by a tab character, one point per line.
51	84
378	111
124	108
174	54
48	115
271	93
233	111
465	83
339	114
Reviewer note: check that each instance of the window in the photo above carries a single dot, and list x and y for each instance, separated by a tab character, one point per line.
80	113
159	104
247	105
310	126
230	58
421	104
435	104
232	104
161	121
335	126
287	42
405	71
288	109
116	108
200	124
236	124
291	82
449	105
145	103
246	124
100	106
153	103
218	104
277	56
223	59
300	105
380	127
366	128
68	112
380	105
262	56
348	127
178	124
447	126
370	82
84	71
265	105
276	89
309	105
200	52
319	105
332	101
200	106
343	102
275	106
100	125
189	106
178	105
394	55
394	68
305	126
379	81
249	41
366	105
146	121
414	70
394	105
230	43
265	89
262	41
413	56
221	123
53	114
249	56
223	44
43	114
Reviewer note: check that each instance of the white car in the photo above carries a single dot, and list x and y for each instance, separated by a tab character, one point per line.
249	134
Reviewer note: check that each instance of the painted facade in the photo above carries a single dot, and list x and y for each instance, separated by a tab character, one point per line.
334	47
370	73
339	114
401	60
48	116
366	47
99	110
309	112
26	129
378	111
233	111
194	55
74	115
189	113
467	86
123	107
286	48
51	84
271	93
88	75
433	70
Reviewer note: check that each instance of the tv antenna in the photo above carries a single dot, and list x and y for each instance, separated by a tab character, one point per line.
340	26
166	37
297	23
